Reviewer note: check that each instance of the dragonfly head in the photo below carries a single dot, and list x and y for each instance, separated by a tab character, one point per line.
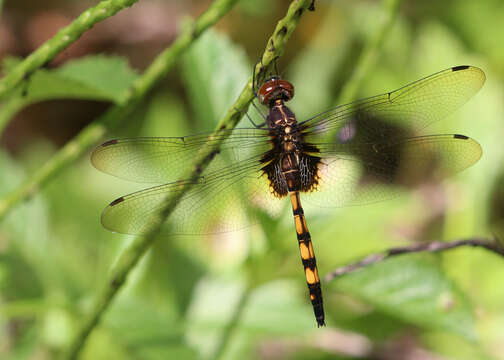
275	89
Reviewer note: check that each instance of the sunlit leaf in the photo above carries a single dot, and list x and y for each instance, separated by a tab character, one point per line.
414	289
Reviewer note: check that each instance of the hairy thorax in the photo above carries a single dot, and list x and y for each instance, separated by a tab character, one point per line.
290	165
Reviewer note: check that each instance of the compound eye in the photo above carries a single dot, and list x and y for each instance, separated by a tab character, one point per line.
274	89
288	89
266	90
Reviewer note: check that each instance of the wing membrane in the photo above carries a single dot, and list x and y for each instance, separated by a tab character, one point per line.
164	159
360	174
214	203
408	109
365	147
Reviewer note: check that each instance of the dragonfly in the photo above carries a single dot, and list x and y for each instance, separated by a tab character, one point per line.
363	152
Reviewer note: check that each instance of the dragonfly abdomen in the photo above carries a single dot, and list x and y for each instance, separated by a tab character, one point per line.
308	258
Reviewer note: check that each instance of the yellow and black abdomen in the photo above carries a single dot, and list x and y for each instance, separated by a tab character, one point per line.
308	258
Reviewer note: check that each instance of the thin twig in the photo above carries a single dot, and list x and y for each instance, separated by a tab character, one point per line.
66	36
435	246
369	54
130	256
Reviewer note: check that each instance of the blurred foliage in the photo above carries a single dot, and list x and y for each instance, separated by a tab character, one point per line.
92	78
55	256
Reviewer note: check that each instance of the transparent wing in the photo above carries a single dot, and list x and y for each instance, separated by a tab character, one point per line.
365	147
398	113
217	202
357	174
164	159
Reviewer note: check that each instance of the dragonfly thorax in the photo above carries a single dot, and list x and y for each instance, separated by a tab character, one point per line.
280	117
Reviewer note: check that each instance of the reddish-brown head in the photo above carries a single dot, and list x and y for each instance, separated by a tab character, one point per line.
275	89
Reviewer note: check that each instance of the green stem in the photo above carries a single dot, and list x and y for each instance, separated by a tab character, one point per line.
369	54
127	261
131	255
231	326
66	36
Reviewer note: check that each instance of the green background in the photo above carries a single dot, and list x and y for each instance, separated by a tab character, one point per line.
180	299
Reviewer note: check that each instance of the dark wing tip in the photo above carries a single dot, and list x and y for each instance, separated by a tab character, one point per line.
458	136
95	154
117	201
110	142
460	67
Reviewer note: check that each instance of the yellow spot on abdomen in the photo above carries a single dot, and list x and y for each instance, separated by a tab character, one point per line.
305	251
299	225
311	277
294	201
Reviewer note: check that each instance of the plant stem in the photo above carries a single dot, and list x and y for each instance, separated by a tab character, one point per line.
369	54
435	246
228	331
66	36
130	256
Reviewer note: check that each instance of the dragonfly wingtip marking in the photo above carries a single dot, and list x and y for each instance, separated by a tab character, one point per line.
460	67
458	136
110	142
117	201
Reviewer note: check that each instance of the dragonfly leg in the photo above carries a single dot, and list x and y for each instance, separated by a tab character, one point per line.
257	126
255	82
263	115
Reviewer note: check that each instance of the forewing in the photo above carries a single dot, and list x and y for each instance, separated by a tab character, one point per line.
357	174
217	202
165	159
402	112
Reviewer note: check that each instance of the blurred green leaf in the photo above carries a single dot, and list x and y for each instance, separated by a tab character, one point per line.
256	7
163	282
165	116
454	347
414	289
9	63
215	71
92	78
108	77
277	308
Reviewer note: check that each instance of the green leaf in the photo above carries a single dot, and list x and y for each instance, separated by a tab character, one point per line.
9	63
110	77
214	71
91	78
414	289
